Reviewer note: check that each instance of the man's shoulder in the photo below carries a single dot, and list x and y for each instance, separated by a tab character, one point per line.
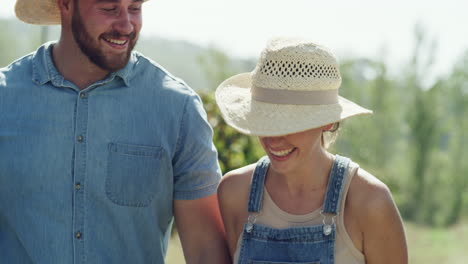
16	70
19	65
151	70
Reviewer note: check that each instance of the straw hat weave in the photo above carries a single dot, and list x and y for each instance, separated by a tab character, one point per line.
293	88
39	12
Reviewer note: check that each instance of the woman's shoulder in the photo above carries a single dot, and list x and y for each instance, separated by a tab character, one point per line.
367	187
369	198
233	196
236	181
375	214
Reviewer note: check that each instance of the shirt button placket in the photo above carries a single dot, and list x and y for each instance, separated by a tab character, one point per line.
79	177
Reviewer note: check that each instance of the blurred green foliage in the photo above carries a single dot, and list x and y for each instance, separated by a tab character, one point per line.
416	141
234	149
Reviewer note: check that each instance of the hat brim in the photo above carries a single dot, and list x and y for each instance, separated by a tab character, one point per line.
43	12
252	117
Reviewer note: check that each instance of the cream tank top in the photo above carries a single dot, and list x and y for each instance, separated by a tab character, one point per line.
271	215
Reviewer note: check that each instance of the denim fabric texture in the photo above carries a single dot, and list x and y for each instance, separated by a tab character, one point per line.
298	245
89	176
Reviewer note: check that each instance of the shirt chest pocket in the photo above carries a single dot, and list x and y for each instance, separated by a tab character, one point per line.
134	173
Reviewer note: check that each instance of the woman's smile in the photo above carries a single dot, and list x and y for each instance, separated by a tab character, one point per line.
282	154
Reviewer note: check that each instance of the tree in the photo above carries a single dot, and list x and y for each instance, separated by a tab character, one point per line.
457	111
234	149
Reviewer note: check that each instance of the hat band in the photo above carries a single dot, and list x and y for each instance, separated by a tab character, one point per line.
275	96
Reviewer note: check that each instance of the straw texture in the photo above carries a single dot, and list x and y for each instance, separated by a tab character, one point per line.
38	12
290	65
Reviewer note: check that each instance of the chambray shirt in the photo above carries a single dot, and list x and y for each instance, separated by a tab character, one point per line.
90	176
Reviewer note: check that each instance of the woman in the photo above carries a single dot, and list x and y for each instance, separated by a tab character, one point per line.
300	203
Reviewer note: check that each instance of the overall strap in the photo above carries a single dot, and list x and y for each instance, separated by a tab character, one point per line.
335	185
256	187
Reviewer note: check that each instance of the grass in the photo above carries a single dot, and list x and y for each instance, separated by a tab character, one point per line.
174	252
426	245
437	245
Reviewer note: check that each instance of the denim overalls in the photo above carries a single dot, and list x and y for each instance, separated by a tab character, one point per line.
297	245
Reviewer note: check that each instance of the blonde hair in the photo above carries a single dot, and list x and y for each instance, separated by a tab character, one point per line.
329	136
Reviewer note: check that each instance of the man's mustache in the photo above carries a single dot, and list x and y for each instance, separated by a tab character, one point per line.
116	34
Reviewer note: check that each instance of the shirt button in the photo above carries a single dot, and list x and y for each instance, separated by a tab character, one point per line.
80	138
83	95
78	235
77	186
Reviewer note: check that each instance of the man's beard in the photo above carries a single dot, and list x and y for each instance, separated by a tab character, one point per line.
91	48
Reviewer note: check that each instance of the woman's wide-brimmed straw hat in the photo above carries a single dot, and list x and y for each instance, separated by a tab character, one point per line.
293	88
39	12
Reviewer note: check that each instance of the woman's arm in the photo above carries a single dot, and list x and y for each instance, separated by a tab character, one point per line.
382	227
233	193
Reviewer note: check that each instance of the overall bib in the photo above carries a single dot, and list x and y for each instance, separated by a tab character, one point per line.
295	245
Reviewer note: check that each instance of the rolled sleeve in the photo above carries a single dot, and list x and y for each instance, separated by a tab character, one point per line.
196	169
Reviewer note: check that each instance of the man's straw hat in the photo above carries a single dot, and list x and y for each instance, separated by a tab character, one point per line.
293	88
39	12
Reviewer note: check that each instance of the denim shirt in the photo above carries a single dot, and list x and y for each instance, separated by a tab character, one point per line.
90	176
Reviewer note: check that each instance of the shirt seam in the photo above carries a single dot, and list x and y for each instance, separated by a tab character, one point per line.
197	189
179	138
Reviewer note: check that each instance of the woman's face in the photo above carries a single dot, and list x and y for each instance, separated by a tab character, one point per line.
287	153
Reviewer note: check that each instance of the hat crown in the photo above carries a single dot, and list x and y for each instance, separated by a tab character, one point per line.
288	64
293	88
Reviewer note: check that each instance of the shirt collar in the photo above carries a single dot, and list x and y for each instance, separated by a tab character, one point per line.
44	69
126	72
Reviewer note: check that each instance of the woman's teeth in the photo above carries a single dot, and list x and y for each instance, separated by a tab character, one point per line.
282	153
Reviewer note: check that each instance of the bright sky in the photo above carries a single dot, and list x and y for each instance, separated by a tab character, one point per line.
358	28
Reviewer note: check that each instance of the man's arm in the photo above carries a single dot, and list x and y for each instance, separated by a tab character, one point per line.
201	230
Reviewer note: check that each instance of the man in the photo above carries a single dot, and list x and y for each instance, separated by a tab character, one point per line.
100	147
